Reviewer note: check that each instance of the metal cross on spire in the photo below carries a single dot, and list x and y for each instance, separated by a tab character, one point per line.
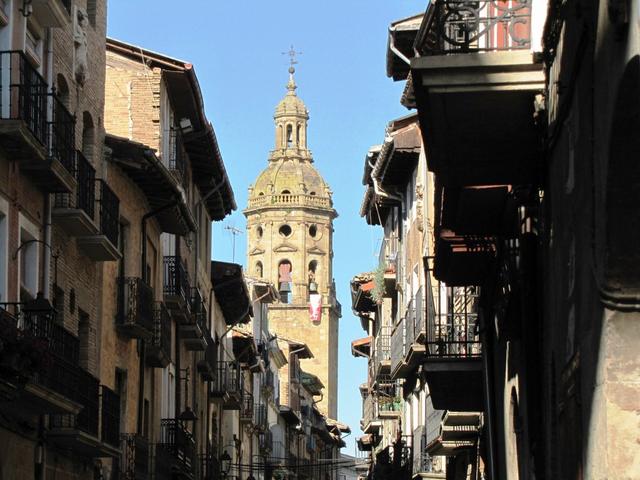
292	57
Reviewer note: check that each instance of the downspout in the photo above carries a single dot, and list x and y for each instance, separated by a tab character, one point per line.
488	395
46	270
394	49
143	274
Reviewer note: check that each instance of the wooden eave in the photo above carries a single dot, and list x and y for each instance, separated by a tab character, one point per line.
158	185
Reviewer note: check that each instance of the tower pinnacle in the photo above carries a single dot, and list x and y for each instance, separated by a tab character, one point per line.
291	86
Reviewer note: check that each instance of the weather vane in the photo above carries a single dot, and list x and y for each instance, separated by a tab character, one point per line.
292	57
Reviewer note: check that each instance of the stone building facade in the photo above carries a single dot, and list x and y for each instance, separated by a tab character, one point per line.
290	243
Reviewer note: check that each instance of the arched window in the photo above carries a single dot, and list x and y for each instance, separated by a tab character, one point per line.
298	139
285	280
289	136
88	135
313	284
259	270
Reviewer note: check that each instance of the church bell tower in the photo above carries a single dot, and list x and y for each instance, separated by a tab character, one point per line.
290	244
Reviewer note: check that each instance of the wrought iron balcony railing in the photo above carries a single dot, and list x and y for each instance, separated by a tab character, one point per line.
37	348
368	409
226	379
199	312
178	441
260	417
108	212
110	417
452	324
207	360
176	279
87	394
265	441
422	461
135	307
62	133
85	197
177	161
462	26
382	348
398	345
134	462
159	348
24	94
246	411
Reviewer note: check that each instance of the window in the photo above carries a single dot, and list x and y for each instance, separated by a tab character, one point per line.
313	231
121	390
88	135
259	231
313	284
58	303
285	230
84	330
92	8
259	270
4	12
62	90
285	271
298	135
29	259
33	45
289	136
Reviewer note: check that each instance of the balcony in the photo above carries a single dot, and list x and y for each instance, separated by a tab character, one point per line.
38	361
424	464
158	352
453	364
35	128
179	443
135	317
290	200
260	420
370	422
227	385
76	212
207	361
458	431
134	461
415	333
177	289
265	442
389	400
398	349
95	430
382	351
388	258
194	331
177	158
476	66
103	245
246	412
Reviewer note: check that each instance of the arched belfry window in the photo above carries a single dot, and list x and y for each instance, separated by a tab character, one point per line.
285	271
298	139
289	136
313	283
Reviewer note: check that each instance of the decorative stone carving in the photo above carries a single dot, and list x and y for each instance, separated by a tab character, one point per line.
80	67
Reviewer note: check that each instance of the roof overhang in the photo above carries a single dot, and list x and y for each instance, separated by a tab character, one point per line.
402	35
231	292
311	382
244	346
300	349
162	190
209	172
361	347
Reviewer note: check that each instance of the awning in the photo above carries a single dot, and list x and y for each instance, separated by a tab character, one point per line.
244	347
231	292
361	347
160	187
290	416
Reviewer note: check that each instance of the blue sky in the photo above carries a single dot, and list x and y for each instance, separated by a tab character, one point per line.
236	48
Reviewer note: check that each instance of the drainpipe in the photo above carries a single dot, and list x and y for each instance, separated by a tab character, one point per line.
488	395
143	274
46	270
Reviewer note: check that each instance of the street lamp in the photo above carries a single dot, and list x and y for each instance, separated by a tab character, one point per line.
225	464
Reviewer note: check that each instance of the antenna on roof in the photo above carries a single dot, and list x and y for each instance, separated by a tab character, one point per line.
235	232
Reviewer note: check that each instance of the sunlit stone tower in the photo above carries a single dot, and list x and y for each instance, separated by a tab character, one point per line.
290	243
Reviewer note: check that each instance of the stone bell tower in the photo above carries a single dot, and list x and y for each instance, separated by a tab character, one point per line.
290	243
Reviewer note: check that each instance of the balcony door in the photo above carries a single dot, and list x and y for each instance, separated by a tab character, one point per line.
168	399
